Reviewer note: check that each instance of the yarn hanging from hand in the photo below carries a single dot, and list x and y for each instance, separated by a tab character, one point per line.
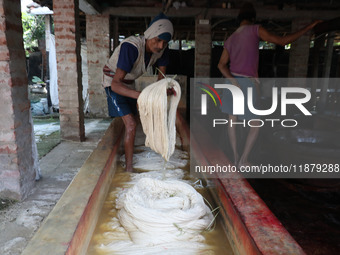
158	116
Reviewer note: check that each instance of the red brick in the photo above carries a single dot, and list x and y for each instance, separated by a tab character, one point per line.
7	150
4	56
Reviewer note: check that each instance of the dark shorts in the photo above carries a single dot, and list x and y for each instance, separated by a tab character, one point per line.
227	99
120	105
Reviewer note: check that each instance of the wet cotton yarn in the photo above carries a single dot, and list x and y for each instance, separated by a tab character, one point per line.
150	160
157	212
158	116
158	217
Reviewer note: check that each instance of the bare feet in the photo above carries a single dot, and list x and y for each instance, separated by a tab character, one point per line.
130	169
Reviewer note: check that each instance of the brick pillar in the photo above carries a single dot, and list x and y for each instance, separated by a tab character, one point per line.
98	52
202	47
299	52
17	173
67	35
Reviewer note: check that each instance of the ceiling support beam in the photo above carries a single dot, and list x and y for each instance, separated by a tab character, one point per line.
89	7
219	12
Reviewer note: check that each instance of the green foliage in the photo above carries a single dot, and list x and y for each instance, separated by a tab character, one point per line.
33	30
37	80
47	143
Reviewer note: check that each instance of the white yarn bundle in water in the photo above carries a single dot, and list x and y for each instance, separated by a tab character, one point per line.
150	160
173	174
158	115
156	212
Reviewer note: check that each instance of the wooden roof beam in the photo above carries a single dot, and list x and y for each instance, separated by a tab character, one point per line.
89	7
222	13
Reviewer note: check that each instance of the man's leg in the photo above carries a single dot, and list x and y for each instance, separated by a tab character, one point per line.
129	139
232	137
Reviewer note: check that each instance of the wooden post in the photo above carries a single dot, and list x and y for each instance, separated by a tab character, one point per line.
327	70
116	33
318	44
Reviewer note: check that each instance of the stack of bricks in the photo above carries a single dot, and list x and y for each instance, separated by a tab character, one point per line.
98	52
66	28
17	173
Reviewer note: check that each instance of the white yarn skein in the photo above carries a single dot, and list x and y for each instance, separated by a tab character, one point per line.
157	212
157	121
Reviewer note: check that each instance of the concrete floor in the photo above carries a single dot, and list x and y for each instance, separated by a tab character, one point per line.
20	221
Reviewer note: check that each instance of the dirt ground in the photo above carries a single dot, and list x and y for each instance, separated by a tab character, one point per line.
20	220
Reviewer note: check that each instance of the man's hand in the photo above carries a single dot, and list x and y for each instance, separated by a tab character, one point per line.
171	91
313	24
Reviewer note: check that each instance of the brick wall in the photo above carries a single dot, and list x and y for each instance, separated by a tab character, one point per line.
202	47
299	52
66	28
17	173
98	52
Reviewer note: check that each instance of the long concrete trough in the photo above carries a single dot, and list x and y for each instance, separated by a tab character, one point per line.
249	225
69	226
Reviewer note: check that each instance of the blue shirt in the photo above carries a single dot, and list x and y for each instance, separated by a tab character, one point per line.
128	55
